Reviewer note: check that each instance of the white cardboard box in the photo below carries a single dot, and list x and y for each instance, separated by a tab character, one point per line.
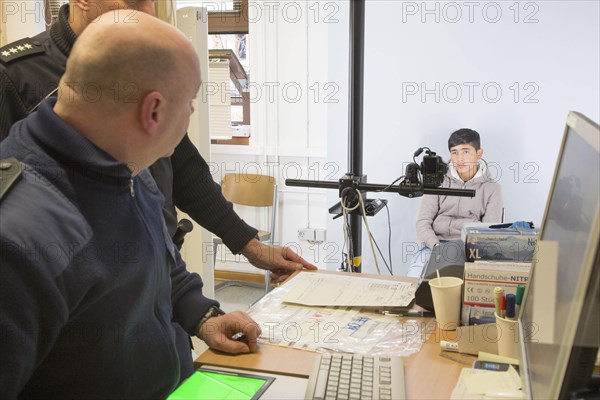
481	277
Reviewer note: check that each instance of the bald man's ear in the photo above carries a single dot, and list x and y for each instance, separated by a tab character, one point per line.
83	4
152	112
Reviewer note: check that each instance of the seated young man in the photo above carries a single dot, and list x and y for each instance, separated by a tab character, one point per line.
441	218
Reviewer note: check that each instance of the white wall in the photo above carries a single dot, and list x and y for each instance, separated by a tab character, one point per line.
552	62
22	18
289	93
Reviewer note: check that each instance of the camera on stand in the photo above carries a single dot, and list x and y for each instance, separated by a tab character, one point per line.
429	173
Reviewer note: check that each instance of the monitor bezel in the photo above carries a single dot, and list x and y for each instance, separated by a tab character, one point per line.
577	124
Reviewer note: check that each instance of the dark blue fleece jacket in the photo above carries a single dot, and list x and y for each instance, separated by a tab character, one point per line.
94	298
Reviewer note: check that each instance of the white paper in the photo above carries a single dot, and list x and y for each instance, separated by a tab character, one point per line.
349	290
480	384
493	382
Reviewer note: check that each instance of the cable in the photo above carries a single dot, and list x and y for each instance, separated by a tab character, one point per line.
389	267
390	185
344	197
389	239
347	238
382	257
364	215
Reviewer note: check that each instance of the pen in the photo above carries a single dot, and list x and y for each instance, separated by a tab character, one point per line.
498	293
409	313
519	298
503	307
510	306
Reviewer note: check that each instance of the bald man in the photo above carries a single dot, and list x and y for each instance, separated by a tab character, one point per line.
29	72
92	289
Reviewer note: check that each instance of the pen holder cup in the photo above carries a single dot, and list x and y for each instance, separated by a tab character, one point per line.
508	337
446	294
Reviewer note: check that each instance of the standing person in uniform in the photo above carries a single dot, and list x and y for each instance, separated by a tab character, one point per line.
92	288
29	72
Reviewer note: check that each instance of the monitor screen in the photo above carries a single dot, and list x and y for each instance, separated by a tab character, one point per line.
562	293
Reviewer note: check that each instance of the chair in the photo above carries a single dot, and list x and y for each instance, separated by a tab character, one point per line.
250	190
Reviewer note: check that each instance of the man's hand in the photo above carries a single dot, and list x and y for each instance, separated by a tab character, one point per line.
233	333
281	261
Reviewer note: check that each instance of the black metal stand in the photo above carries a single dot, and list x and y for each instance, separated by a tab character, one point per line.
409	191
350	187
355	140
355	179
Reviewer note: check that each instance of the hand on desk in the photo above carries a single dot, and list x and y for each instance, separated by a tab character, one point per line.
280	261
219	332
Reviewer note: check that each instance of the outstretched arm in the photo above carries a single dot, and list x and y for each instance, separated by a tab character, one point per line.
281	261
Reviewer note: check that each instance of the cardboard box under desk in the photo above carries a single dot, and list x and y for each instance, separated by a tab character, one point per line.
481	277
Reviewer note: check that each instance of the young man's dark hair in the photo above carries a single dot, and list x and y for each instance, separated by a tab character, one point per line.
464	136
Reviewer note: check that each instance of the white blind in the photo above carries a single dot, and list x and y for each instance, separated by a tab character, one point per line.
219	98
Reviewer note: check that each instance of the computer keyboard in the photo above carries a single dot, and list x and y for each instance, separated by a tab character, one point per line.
352	376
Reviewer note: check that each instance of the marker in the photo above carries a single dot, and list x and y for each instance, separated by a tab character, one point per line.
503	307
519	299
510	306
498	293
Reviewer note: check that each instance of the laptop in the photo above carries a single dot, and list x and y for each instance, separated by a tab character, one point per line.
449	259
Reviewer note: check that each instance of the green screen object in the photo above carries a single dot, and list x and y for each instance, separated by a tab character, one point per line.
205	384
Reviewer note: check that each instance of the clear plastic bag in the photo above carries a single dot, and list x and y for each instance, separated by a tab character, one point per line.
337	329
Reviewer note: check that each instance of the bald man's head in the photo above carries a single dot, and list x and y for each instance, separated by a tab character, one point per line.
119	58
129	86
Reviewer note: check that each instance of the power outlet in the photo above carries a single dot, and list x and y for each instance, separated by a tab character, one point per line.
312	235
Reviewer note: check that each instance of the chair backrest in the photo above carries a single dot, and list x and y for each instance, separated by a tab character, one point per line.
249	189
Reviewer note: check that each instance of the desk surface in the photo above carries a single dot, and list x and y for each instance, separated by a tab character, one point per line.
428	375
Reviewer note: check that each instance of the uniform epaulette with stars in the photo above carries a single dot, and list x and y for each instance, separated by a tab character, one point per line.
10	171
21	48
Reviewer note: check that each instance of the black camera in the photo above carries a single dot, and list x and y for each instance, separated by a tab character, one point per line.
433	169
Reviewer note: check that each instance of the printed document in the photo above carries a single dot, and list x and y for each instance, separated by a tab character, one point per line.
313	289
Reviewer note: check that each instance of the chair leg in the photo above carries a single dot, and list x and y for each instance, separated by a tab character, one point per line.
215	247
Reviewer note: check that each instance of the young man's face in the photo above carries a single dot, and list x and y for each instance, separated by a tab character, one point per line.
465	159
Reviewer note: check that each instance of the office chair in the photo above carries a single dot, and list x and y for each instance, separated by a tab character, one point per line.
250	190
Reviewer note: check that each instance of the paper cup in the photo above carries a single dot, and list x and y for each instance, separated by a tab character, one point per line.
445	293
508	337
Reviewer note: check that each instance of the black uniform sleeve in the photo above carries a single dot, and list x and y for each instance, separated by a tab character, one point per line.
189	304
12	108
196	193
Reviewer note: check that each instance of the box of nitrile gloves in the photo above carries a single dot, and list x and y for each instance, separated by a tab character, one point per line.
499	244
480	279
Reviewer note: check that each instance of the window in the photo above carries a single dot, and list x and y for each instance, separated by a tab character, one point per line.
228	41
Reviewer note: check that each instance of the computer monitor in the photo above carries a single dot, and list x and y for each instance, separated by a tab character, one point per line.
559	321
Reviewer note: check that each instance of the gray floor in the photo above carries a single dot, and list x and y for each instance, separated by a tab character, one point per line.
232	298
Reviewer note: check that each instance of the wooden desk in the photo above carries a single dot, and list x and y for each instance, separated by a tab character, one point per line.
428	375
